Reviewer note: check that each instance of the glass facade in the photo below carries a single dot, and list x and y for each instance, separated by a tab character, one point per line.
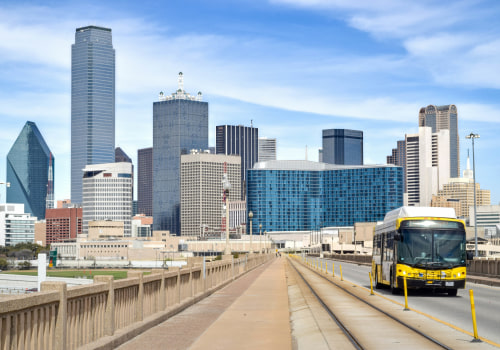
343	146
92	103
30	172
315	195
179	125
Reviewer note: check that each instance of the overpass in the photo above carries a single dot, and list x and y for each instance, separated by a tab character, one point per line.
252	302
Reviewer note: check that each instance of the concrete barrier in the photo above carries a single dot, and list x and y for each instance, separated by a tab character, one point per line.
106	313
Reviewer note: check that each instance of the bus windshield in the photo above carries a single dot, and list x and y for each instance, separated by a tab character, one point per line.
432	248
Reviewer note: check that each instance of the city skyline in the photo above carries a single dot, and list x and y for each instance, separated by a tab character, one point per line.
353	65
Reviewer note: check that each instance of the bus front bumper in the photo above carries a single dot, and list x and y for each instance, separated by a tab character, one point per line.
421	283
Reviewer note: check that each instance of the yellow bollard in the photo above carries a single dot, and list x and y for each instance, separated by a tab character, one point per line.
333	269
326	267
473	311
371	283
341	277
406	295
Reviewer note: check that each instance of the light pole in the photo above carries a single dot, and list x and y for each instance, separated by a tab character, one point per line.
250	216
260	238
226	186
474	136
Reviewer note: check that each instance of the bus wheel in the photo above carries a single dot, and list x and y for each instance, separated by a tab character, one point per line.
452	292
394	290
377	284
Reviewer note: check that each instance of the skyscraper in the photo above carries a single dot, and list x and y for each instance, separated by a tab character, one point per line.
444	118
239	140
180	124
145	181
92	103
201	188
398	157
267	149
121	156
427	165
343	147
30	171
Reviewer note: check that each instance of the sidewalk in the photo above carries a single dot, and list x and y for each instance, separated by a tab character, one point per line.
251	312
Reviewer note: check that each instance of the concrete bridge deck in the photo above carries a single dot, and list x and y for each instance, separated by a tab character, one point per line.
250	313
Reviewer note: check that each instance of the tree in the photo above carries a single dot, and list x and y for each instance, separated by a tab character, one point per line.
3	264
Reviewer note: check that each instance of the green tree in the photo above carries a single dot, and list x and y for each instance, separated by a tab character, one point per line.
3	264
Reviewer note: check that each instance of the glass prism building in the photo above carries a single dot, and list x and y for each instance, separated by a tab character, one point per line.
30	171
92	103
297	195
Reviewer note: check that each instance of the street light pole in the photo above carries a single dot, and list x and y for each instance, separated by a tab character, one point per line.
226	187
250	216
473	136
260	238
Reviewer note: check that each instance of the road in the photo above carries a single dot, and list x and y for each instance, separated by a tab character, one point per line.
453	310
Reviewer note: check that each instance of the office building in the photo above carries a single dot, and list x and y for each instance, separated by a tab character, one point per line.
444	118
62	224
30	171
304	195
16	226
145	181
121	156
398	158
92	103
427	165
107	194
201	190
343	147
488	216
180	124
239	140
462	190
267	149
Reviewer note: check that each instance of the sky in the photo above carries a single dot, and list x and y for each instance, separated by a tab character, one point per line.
290	67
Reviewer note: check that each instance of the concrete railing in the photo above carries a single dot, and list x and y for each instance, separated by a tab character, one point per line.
59	317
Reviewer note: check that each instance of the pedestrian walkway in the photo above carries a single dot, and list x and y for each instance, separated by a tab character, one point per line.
250	313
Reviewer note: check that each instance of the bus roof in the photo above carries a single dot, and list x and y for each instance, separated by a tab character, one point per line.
414	212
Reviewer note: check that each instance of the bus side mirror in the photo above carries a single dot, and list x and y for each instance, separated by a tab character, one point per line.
398	237
470	256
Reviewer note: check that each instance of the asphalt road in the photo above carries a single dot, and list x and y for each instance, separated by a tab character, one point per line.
453	310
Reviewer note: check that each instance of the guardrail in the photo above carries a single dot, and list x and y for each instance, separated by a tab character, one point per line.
59	317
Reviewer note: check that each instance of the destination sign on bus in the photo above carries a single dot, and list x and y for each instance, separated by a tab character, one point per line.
437	224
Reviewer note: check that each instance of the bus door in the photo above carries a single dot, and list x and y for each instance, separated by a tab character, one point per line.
387	255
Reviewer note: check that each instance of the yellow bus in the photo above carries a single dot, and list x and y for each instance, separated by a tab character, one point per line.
424	244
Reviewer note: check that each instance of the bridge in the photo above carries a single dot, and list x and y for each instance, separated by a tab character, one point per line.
256	301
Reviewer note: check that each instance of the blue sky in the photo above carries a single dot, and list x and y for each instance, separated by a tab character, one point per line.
294	67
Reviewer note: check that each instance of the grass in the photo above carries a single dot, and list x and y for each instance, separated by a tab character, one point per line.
88	273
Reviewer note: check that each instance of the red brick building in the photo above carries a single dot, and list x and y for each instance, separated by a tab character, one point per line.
63	224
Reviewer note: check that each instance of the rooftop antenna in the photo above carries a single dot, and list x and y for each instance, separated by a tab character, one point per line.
180	81
306	152
251	123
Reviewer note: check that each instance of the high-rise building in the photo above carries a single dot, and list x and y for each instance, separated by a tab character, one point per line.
303	195
30	171
16	226
427	165
145	181
107	194
398	158
62	224
343	147
267	149
121	156
444	118
242	141
201	190
180	124
92	103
